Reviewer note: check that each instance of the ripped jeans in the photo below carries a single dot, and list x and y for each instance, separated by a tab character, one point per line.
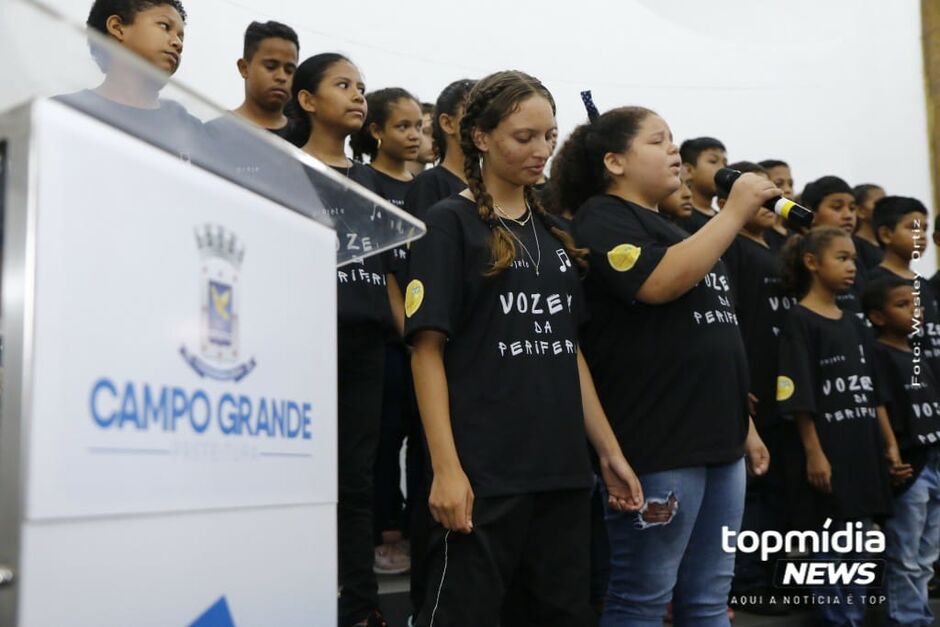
671	550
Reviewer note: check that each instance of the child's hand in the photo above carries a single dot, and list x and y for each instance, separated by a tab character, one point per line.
624	492
819	472
756	454
900	472
749	192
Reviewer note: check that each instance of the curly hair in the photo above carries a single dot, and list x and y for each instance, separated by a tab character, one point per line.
796	276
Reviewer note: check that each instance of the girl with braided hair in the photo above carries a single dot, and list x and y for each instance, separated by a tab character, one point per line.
508	405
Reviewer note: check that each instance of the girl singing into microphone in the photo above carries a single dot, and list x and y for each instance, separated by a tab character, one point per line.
508	404
671	372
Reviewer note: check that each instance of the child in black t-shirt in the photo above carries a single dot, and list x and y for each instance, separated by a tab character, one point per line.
391	137
761	306
702	156
869	249
427	154
447	177
507	401
328	104
670	368
268	63
678	206
912	398
833	204
901	225
782	177
825	384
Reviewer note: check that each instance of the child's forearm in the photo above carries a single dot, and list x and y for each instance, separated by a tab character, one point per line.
808	435
887	432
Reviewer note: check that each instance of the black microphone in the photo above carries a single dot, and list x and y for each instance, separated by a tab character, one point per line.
794	214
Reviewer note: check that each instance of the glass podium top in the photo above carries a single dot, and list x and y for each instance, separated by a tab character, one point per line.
186	124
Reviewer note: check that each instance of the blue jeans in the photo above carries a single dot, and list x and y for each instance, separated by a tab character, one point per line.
672	549
912	547
847	612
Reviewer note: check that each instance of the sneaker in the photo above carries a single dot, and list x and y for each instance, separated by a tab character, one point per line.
390	560
375	619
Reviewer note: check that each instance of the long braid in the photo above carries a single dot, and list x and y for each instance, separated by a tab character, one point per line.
502	246
578	255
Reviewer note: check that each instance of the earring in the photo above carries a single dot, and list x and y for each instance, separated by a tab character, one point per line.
481	164
379	147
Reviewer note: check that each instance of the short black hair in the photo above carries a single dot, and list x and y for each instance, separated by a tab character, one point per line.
890	209
773	163
259	31
127	10
742	167
815	191
861	192
876	292
692	148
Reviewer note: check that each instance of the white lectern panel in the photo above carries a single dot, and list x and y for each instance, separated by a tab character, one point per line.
184	335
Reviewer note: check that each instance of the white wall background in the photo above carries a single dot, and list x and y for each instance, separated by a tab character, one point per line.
832	87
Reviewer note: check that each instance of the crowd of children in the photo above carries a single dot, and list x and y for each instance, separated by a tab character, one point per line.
621	339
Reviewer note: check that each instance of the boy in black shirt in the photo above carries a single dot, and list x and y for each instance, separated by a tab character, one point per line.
268	64
869	250
901	226
912	398
703	156
761	306
782	177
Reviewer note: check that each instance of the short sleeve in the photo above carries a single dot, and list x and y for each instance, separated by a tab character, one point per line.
796	384
435	271
622	252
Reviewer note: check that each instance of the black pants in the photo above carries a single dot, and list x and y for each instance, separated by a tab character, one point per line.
361	362
526	563
400	421
765	509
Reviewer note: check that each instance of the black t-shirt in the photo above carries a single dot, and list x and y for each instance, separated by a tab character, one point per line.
869	255
362	292
912	397
761	304
927	338
775	240
220	123
429	187
826	371
393	190
673	378
511	355
934	283
694	222
169	126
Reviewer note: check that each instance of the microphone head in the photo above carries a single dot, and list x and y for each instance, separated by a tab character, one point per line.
725	178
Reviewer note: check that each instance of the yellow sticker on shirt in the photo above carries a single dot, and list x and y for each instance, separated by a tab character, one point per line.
785	388
414	296
623	257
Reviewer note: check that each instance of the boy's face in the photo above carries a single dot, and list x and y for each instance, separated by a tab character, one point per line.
269	74
867	208
427	154
897	315
156	34
908	235
782	178
836	210
679	203
709	161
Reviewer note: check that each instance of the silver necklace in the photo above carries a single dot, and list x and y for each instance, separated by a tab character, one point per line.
538	259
